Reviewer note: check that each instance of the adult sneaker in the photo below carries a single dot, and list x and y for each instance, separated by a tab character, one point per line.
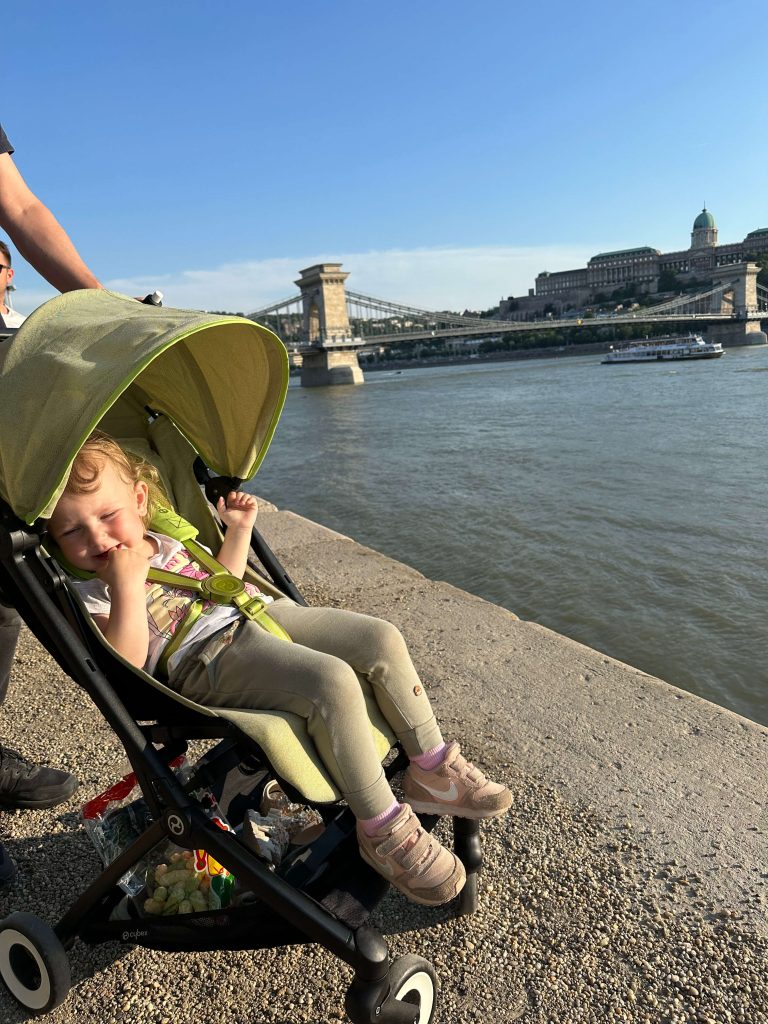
24	784
455	787
412	860
7	868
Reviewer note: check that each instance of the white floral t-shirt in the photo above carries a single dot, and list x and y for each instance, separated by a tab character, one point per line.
167	606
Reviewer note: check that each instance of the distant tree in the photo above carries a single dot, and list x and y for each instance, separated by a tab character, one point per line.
669	281
762	261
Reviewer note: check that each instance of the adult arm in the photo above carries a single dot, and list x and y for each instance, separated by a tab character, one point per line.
36	233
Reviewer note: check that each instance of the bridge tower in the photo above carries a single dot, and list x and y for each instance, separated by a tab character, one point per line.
333	356
739	300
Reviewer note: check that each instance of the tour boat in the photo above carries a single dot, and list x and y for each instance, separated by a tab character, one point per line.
655	350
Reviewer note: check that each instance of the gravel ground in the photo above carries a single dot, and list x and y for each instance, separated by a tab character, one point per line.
576	923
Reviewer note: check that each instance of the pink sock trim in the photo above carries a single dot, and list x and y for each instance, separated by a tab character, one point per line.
430	759
373	825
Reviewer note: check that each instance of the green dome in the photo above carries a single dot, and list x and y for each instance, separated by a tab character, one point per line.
704	220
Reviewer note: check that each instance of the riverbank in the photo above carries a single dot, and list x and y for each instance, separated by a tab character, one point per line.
628	884
554	352
545	352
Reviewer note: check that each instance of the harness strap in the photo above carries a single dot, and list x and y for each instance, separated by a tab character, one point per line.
221	587
193	613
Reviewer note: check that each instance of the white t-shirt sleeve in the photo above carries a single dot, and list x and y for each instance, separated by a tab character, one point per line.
94	595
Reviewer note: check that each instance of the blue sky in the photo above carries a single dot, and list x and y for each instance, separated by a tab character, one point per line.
445	152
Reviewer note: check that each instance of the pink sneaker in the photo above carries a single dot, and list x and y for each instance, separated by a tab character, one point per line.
455	787
412	860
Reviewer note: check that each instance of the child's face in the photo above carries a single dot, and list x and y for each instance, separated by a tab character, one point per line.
88	526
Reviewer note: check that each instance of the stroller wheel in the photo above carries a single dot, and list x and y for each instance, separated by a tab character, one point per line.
412	980
33	964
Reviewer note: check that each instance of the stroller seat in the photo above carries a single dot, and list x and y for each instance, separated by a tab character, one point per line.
281	735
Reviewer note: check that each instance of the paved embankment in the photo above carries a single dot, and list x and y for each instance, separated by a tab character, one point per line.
629	883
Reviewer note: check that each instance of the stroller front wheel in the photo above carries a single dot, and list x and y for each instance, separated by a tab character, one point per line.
33	964
413	981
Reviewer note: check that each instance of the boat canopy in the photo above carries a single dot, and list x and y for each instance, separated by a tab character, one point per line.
221	379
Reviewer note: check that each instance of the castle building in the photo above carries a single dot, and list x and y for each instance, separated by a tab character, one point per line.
643	268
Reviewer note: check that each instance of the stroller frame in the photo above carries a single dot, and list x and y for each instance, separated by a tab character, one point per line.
306	903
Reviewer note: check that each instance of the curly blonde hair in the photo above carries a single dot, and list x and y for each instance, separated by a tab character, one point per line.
100	448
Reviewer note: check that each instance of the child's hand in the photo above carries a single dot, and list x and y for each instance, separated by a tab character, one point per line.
238	511
124	567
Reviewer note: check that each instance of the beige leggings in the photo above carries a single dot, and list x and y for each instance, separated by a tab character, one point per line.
316	677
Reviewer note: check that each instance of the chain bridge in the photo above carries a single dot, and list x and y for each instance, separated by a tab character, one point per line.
327	325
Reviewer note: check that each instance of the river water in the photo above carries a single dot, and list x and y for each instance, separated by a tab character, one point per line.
623	506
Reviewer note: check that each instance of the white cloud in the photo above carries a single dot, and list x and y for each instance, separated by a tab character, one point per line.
429	278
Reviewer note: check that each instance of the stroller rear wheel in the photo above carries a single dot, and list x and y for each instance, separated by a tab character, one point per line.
412	980
33	964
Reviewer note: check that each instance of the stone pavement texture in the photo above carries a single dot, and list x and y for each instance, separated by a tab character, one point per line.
628	884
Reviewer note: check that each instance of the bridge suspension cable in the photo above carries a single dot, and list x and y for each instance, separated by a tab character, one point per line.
276	307
397	308
687	303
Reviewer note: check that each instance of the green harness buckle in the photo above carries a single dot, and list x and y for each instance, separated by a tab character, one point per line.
219	588
223	588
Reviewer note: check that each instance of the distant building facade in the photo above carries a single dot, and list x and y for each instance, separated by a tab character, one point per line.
643	269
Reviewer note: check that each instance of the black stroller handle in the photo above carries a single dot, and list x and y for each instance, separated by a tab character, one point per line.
219	487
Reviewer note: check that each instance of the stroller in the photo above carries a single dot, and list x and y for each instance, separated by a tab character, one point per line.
199	396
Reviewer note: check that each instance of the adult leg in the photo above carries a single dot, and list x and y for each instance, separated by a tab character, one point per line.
10	627
22	783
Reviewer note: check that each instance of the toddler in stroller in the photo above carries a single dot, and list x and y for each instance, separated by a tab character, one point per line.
293	658
191	391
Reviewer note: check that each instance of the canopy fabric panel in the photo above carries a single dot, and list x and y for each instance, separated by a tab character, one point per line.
222	380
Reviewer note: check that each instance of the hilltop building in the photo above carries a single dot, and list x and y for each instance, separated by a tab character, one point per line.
637	271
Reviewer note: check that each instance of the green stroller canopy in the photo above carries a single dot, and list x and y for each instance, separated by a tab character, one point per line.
221	379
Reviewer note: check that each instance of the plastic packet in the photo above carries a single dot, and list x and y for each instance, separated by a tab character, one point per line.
265	835
302	823
118	816
217	879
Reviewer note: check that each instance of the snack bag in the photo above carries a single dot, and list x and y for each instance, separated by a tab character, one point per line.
266	836
302	823
186	883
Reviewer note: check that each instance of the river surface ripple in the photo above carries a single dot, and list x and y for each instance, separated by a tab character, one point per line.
623	506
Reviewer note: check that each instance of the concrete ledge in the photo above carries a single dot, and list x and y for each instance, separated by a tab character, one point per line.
685	777
627	884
